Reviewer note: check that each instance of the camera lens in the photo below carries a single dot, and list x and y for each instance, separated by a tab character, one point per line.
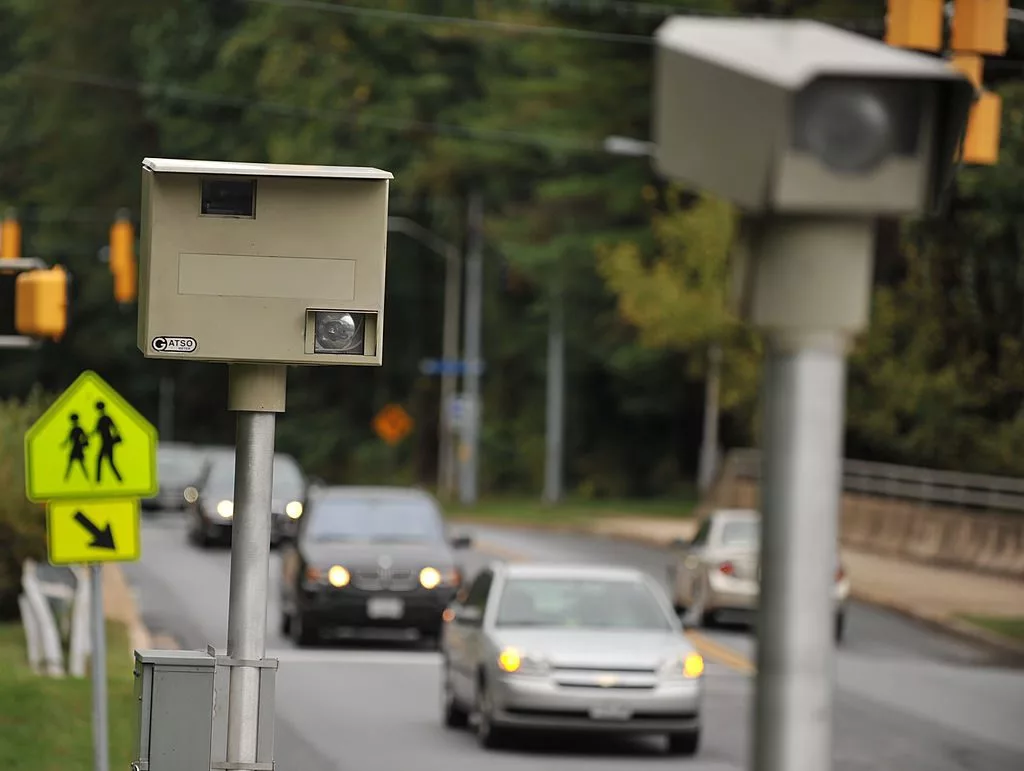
338	332
849	128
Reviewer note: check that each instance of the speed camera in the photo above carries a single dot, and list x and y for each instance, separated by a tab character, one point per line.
799	117
262	263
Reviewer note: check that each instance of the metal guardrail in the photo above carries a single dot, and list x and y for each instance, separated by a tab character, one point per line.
971	492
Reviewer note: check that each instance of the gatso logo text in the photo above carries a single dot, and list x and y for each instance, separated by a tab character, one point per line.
174	344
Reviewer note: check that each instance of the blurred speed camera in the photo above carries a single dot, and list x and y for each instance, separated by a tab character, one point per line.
799	117
248	262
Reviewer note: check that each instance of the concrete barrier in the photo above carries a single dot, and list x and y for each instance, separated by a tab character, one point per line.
912	530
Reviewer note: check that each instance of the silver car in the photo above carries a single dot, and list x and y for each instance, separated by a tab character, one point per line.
569	647
719	571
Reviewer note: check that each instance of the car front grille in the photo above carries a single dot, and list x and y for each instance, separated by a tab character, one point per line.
381	579
641	679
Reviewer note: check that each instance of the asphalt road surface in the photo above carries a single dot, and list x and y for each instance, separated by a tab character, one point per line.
908	698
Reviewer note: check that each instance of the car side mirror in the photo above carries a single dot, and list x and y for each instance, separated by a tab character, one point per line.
470	615
461	541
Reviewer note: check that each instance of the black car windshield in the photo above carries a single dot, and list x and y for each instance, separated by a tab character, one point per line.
288	481
179	465
374	520
568	603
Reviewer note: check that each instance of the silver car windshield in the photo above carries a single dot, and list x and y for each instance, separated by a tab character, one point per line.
374	520
566	603
288	481
741	532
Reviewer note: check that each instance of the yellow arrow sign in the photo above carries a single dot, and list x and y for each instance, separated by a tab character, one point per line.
93	531
90	444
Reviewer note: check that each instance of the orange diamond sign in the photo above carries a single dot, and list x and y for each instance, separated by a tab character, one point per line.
392	424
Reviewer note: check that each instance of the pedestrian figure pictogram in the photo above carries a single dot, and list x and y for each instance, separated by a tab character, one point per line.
106	430
78	441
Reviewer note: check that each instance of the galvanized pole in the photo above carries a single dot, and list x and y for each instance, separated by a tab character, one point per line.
256	392
555	409
470	427
804	383
100	734
449	379
709	440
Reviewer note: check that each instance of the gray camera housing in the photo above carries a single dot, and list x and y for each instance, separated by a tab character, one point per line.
740	106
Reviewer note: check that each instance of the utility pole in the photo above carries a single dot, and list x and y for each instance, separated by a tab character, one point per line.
555	410
165	418
470	425
709	441
449	378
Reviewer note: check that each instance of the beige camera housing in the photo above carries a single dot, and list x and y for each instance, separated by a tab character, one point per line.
771	115
247	262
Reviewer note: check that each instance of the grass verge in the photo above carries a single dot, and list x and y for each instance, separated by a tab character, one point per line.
46	723
572	511
1009	627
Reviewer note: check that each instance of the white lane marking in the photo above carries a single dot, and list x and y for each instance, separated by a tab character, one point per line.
293	656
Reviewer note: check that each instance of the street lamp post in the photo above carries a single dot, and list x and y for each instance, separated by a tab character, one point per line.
450	341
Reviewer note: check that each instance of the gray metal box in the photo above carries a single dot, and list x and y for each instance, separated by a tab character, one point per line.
174	707
265	722
262	263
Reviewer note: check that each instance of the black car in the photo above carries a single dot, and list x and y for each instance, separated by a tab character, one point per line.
179	466
211	505
368	558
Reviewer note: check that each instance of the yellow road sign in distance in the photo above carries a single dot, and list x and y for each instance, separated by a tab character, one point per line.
93	531
90	444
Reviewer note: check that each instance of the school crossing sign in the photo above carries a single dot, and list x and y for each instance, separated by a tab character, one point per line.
90	444
90	457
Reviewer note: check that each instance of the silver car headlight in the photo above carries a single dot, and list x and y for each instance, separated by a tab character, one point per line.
685	665
226	509
515	661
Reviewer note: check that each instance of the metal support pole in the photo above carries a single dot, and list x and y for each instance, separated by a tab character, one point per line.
555	410
256	392
804	384
709	440
470	428
166	414
806	283
100	750
449	380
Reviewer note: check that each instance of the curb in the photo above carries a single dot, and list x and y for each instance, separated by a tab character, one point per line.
139	637
955	626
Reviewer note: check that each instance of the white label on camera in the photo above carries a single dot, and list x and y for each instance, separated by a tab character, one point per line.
174	344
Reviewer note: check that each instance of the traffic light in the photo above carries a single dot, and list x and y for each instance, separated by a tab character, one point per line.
10	236
122	258
914	24
979	28
41	303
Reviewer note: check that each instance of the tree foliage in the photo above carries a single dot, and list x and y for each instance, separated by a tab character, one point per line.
510	100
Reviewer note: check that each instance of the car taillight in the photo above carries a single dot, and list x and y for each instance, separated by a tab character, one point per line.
840	574
727	568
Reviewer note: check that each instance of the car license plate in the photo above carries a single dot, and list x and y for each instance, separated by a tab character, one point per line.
384	607
611	712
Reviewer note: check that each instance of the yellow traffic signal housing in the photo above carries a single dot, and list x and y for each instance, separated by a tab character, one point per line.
981	144
122	259
979	26
41	303
914	24
10	237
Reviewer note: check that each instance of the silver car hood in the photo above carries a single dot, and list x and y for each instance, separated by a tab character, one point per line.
620	649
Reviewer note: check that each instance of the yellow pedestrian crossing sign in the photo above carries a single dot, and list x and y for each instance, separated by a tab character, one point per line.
89	444
93	531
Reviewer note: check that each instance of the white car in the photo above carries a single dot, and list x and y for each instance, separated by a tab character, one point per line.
569	647
719	571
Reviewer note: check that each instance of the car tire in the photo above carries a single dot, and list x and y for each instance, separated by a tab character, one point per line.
840	627
453	713
285	624
684	742
301	633
487	735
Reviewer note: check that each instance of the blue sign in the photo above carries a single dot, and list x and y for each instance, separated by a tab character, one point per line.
443	367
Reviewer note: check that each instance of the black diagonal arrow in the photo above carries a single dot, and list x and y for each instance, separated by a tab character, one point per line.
101	539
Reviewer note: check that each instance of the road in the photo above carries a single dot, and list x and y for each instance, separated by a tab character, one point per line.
907	698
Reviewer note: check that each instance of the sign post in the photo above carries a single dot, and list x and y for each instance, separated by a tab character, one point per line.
90	457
